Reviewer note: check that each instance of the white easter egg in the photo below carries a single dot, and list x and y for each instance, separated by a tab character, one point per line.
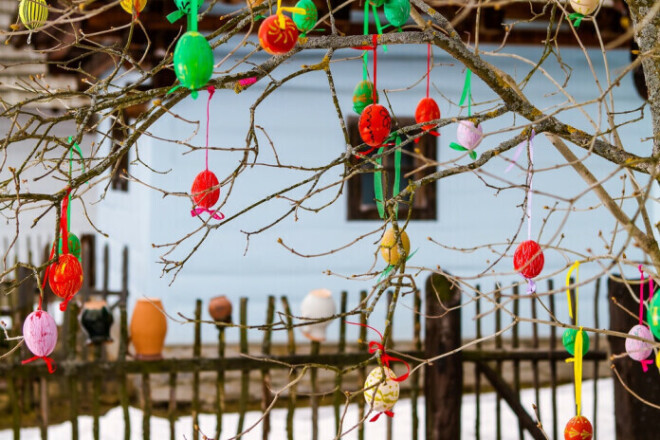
381	395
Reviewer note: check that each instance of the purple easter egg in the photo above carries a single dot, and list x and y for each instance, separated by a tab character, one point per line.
468	135
636	349
40	333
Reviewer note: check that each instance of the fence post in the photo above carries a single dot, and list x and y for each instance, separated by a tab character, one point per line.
443	380
634	419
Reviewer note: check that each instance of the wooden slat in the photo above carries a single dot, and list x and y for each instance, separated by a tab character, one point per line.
146	406
362	372
596	347
338	398
72	312
96	395
197	354
498	346
291	349
171	405
121	360
245	372
417	345
515	343
314	399
553	366
477	373
266	396
220	382
535	363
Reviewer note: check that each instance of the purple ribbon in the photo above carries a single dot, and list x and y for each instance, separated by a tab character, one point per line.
199	210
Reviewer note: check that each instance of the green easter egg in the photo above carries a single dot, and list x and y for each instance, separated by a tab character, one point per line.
654	315
306	21
568	339
73	244
193	60
33	13
397	12
363	96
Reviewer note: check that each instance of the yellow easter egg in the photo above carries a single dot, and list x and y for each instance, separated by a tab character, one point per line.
381	395
389	248
584	7
33	13
128	5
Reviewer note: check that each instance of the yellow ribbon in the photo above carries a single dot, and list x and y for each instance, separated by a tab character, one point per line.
576	267
292	9
577	358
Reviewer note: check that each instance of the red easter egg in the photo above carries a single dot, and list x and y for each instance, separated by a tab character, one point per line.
203	196
374	125
65	276
528	259
427	110
578	428
277	40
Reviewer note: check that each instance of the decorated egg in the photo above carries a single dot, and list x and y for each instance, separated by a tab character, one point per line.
468	135
389	247
578	428
584	7
73	245
363	95
201	191
427	110
636	349
129	5
528	259
654	315
374	125
381	395
65	276
568	339
305	22
193	60
40	333
33	13
275	39
318	304
397	12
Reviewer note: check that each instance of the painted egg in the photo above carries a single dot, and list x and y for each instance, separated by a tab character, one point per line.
427	110
654	316
374	125
65	276
193	60
397	12
129	5
584	7
201	191
363	95
40	333
305	22
639	350
568	339
381	395
277	40
73	244
389	248
578	428
33	13
468	135
528	259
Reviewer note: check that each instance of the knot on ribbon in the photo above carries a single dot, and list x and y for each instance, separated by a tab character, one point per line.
576	18
50	363
214	214
387	413
531	286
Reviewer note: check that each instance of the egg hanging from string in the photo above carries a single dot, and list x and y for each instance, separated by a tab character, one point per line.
427	110
584	7
636	349
578	428
130	5
374	125
277	36
193	61
65	276
381	395
73	245
568	339
363	95
305	22
33	13
397	12
528	259
40	335
389	248
205	189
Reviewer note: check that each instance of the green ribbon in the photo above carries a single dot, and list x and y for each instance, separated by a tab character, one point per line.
378	26
576	19
365	56
378	184
192	16
458	147
397	174
75	147
174	16
389	267
467	91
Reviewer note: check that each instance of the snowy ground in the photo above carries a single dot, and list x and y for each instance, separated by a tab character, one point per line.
112	424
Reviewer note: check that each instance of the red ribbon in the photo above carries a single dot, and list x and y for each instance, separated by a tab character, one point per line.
199	210
50	363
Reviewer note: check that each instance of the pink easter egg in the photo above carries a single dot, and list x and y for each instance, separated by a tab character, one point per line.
468	135
40	333
636	349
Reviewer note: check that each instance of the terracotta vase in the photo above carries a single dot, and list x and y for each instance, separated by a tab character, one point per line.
148	329
96	320
220	309
318	304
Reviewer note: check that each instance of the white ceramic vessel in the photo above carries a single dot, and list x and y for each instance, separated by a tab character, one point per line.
318	304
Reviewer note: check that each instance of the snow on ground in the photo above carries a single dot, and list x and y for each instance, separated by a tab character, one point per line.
112	424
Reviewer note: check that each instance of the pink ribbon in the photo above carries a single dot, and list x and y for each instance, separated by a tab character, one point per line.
247	81
199	210
645	364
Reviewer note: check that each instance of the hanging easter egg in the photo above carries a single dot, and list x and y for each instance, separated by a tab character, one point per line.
374	125
468	135
568	339
654	315
584	7
33	13
130	5
65	276
318	304
427	110
193	60
363	95
40	335
305	22
528	259
275	38
578	428
73	244
202	193
389	247
381	395
636	349
397	12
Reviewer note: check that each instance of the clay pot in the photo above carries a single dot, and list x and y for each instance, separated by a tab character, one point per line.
317	304
96	320
220	309
148	329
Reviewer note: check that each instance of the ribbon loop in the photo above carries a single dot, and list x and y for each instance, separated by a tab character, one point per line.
50	363
375	346
214	214
576	267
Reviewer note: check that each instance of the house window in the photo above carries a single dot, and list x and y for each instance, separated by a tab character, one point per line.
119	135
360	188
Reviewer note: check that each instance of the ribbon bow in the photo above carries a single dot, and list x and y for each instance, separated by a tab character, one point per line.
576	18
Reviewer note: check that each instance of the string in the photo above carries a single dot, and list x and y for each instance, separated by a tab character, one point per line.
467	91
192	16
365	56
378	184
211	90
576	267
641	295
529	190
73	147
577	371
379	28
397	174
375	46
428	69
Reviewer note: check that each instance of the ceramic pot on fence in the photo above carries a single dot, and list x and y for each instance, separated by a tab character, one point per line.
220	309
96	320
317	304
148	329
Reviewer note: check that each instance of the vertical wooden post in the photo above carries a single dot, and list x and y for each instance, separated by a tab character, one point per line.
338	398
362	372
443	380
314	399
197	353
266	397
245	373
220	382
634	419
291	350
